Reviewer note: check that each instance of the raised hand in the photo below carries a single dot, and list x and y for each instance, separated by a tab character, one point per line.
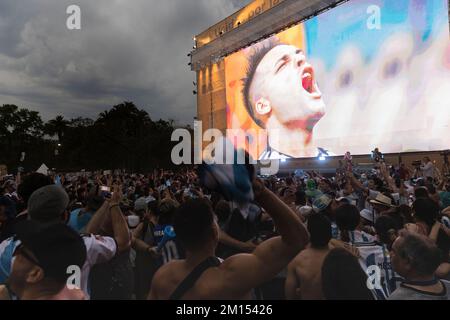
258	187
117	195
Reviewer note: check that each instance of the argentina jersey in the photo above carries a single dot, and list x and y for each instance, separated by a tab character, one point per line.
377	255
171	250
167	243
361	238
7	249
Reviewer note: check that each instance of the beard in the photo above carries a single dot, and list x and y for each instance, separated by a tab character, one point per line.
17	283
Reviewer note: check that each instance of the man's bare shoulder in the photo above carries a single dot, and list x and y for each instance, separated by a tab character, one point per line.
221	282
304	254
169	269
167	278
168	273
309	255
232	263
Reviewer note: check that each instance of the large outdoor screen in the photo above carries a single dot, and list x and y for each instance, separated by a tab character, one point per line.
366	74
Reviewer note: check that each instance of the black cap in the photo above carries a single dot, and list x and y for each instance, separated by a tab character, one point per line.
56	247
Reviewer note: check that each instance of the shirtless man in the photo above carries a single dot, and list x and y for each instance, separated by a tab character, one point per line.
235	277
304	280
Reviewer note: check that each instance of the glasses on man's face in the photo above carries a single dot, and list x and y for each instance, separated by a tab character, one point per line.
21	250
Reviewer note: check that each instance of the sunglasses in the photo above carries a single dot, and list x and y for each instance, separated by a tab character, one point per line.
21	250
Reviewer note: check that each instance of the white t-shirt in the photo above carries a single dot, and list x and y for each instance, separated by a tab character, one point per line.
428	170
99	250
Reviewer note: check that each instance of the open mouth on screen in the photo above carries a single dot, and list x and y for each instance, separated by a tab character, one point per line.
309	82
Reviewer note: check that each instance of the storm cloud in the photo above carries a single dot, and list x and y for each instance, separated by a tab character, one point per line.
132	50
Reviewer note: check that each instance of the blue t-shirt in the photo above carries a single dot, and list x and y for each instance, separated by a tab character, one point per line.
167	243
158	233
78	221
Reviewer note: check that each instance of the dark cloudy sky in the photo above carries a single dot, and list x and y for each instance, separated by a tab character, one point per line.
126	50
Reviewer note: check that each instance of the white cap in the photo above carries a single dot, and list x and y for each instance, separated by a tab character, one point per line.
305	210
367	214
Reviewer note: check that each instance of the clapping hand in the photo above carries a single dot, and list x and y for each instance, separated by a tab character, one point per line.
117	195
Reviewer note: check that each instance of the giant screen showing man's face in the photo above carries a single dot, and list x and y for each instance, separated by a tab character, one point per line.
369	73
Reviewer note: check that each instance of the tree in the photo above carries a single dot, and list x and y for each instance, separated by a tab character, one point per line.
57	126
20	130
20	122
126	128
122	137
81	122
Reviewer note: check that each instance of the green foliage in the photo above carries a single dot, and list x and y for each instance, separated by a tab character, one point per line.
123	137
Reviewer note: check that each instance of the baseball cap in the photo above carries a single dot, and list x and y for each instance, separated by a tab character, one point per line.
321	203
150	199
140	204
343	199
55	247
10	184
348	200
367	214
48	203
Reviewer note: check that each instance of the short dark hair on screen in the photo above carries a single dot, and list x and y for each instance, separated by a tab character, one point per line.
193	223
253	62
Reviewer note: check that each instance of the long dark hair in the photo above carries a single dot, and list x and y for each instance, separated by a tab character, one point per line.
343	278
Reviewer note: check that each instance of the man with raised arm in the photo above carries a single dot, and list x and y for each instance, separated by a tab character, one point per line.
48	205
202	276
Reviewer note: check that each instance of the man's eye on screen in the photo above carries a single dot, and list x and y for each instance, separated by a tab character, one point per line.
281	66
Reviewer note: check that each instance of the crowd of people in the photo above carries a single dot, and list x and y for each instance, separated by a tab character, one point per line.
375	235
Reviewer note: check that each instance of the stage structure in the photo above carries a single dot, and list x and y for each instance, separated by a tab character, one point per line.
360	82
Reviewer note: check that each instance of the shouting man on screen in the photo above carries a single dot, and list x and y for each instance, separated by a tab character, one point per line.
281	95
